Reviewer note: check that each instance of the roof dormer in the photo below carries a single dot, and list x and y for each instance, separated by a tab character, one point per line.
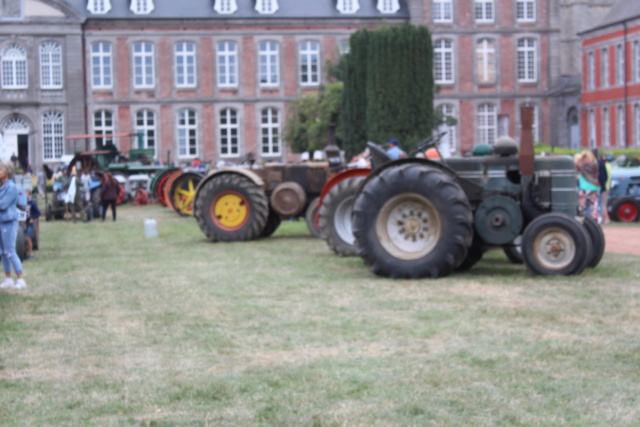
225	7
348	6
266	6
99	7
388	6
141	7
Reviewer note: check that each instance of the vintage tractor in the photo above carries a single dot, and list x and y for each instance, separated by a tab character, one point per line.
417	218
245	203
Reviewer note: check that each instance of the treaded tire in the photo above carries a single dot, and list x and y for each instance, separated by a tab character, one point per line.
597	241
273	222
556	244
412	220
251	199
474	255
335	216
311	217
625	209
21	244
513	251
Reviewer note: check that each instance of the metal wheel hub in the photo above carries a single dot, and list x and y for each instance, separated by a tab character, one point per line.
230	210
555	249
342	221
408	226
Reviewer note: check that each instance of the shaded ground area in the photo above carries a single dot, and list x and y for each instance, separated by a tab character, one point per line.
622	240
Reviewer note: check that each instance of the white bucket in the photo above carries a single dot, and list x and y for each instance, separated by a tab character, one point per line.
150	228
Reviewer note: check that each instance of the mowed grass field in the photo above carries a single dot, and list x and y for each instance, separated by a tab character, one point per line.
119	330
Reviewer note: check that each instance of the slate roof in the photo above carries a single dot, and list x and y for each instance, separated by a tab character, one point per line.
621	11
203	9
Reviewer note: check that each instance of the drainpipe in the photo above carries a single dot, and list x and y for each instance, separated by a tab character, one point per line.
84	81
626	88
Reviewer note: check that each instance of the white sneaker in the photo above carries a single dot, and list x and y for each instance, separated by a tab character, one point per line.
20	284
8	284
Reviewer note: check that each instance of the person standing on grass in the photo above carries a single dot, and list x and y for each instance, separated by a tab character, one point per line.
110	190
9	228
588	184
33	213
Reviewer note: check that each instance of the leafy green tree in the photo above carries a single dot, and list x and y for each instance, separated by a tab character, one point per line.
309	118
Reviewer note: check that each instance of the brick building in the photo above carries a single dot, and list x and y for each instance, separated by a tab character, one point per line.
211	79
611	79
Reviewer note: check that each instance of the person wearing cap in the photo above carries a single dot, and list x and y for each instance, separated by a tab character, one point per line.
394	151
9	228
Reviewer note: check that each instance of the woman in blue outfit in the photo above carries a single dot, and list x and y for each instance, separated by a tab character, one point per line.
9	228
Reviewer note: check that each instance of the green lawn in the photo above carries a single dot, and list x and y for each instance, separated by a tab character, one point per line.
118	330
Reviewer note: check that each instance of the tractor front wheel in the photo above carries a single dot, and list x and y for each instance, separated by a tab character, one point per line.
335	216
597	240
556	244
412	220
311	217
230	208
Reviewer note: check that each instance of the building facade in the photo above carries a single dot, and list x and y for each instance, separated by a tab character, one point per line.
212	79
610	114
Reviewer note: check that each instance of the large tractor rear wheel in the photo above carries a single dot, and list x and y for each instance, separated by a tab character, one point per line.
335	217
273	222
230	207
311	217
556	244
412	220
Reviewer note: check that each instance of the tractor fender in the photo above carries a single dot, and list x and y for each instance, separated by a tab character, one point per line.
471	190
339	177
237	171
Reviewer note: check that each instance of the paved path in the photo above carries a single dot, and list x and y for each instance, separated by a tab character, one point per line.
622	239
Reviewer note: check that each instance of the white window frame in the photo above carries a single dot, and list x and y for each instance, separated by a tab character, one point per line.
228	132
227	62
527	60
225	7
636	115
187	133
51	65
269	63
449	110
487	123
309	63
101	65
267	7
443	54
99	7
101	126
270	134
591	71
526	10
621	127
52	136
388	6
142	7
606	127
484	11
620	64
486	57
604	66
442	11
636	61
348	6
185	64
145	122
592	129
144	72
15	71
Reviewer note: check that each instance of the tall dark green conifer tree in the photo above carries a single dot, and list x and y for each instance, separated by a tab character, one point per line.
389	88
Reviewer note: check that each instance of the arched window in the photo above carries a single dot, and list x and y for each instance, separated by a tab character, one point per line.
229	129
187	128
487	122
146	125
142	7
348	6
388	6
14	67
103	125
309	63
225	7
50	66
99	7
52	136
266	6
270	132
486	61
443	61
